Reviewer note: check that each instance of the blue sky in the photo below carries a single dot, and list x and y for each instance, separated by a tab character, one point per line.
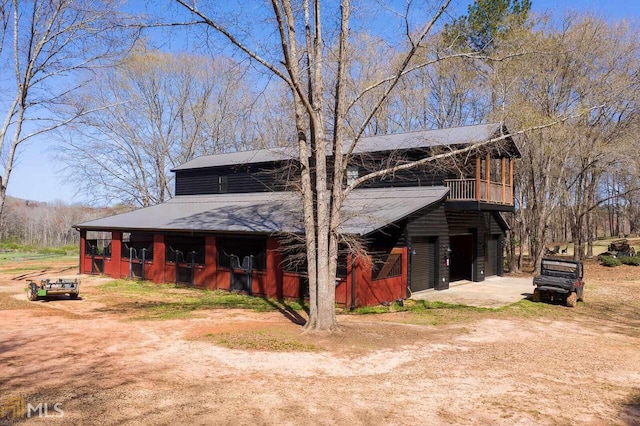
35	176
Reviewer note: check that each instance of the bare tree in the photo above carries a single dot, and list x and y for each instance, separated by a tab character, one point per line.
47	47
562	166
152	112
298	55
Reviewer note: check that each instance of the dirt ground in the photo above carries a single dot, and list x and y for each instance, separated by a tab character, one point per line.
527	365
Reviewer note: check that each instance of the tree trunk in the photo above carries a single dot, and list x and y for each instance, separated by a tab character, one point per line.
11	158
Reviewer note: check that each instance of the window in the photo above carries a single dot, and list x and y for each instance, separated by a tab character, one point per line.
352	174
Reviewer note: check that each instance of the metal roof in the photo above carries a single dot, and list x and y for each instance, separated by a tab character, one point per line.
429	138
410	140
364	211
241	157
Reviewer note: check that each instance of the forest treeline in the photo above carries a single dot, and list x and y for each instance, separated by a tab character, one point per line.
40	225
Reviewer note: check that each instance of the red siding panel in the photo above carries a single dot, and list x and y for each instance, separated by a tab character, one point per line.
273	282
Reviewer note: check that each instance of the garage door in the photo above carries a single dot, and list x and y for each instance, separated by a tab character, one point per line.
491	261
423	263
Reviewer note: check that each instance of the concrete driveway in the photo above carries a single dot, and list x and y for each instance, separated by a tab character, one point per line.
494	292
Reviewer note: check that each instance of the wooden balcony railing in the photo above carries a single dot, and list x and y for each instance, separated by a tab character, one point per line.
472	190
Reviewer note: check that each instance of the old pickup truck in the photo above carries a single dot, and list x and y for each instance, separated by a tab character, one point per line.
559	280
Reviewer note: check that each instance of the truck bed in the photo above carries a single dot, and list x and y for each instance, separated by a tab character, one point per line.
562	284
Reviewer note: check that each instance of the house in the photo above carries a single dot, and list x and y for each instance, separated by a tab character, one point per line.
224	228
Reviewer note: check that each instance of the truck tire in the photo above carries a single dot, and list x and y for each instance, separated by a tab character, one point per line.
32	293
537	297
572	299
73	295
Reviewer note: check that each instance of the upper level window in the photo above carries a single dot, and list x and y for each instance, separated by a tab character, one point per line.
352	174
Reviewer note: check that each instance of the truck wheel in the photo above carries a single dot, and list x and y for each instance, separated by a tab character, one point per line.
73	295
572	299
536	295
32	294
581	294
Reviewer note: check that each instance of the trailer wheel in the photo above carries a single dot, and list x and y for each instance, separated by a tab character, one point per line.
572	299
73	295
537	297
33	292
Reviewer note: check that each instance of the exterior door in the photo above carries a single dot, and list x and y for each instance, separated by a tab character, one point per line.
423	263
491	261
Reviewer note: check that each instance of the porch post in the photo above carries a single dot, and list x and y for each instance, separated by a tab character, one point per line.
487	170
116	254
503	171
511	181
156	271
83	245
210	262
273	286
478	177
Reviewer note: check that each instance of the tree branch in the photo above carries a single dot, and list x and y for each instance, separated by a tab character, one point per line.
455	152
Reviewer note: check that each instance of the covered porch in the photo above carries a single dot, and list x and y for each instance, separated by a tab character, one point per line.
492	183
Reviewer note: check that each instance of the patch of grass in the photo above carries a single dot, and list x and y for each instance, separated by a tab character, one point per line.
32	256
441	313
27	268
366	310
526	309
13	251
421	305
135	287
71	250
165	311
260	340
416	306
432	313
165	301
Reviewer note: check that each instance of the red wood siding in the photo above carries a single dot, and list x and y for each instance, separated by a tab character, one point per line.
370	292
272	282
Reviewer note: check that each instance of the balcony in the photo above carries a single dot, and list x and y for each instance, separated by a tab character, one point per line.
480	190
490	189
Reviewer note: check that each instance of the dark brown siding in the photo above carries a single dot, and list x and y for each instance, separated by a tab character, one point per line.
239	180
193	182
